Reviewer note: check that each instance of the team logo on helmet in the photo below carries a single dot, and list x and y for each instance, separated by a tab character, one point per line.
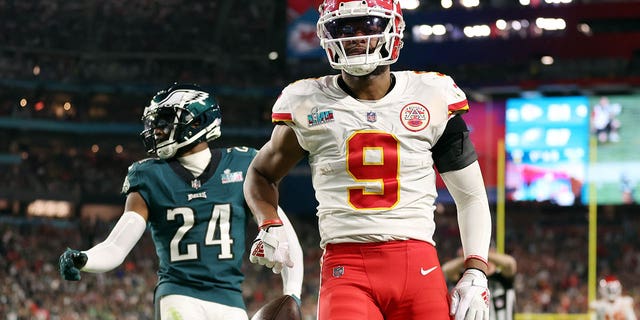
415	116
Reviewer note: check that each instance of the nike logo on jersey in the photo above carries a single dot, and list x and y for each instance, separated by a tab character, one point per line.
426	272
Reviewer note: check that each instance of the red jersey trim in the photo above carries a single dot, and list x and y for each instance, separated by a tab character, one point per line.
459	107
482	259
276	117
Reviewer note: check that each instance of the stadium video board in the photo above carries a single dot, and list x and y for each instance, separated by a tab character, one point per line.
615	171
547	149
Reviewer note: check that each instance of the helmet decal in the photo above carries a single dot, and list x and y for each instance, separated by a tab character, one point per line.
178	118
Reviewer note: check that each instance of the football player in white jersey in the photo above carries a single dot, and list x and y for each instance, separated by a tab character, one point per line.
373	138
612	305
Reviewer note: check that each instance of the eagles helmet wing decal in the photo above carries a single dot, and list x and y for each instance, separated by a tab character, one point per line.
181	98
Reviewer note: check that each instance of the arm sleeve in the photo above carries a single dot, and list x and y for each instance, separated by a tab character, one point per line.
110	253
474	218
454	150
292	277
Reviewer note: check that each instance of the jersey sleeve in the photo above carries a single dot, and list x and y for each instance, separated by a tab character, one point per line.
131	181
291	99
244	154
281	112
456	99
454	96
134	181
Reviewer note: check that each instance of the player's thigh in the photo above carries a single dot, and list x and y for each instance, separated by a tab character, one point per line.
345	290
424	290
179	307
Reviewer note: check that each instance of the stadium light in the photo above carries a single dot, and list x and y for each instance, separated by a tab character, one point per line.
501	24
585	29
470	3
551	23
439	30
409	4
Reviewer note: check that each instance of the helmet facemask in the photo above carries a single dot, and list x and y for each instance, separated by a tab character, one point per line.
177	119
377	28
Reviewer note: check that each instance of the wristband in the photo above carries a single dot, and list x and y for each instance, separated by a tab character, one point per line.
479	258
266	224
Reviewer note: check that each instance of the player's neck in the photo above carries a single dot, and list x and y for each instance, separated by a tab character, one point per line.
373	86
197	148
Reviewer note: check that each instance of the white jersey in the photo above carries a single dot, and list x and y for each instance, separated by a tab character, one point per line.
619	309
371	162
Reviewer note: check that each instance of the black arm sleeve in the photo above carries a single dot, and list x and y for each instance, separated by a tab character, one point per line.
454	149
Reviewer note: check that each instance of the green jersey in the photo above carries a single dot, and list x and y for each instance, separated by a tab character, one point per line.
197	223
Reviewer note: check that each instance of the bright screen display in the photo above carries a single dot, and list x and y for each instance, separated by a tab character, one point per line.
615	171
547	149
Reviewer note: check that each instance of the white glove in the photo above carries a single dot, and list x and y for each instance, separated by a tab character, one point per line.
271	249
470	297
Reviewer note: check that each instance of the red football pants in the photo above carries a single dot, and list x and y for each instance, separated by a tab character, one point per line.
395	280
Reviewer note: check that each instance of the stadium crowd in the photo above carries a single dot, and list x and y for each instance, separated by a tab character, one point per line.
549	245
52	50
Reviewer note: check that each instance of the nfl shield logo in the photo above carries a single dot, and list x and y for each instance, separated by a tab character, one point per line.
338	271
371	116
195	183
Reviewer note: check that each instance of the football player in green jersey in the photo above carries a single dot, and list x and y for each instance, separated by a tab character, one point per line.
191	197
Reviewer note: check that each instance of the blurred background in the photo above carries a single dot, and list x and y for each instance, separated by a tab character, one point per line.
76	75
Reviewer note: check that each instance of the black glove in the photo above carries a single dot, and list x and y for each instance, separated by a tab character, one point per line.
70	263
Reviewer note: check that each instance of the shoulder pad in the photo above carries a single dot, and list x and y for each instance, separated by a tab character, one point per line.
241	150
306	86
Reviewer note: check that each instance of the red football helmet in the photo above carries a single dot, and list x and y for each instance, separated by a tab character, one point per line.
610	288
378	23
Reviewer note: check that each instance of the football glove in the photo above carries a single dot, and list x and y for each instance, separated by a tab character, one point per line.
271	248
70	263
470	297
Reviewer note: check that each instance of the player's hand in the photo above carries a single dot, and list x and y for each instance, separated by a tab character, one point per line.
70	263
271	249
470	297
